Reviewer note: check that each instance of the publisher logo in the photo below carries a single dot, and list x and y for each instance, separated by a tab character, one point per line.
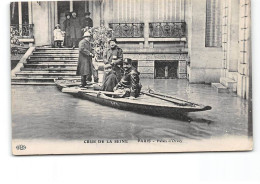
21	147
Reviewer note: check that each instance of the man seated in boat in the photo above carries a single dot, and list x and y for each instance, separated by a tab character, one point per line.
110	80
130	82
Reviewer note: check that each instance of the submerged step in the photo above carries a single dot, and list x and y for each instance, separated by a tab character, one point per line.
33	83
220	88
229	83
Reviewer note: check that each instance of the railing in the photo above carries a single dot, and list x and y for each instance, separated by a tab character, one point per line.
127	30
167	29
21	30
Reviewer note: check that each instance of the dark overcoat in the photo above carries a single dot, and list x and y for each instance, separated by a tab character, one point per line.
117	55
75	28
66	26
87	22
110	82
85	59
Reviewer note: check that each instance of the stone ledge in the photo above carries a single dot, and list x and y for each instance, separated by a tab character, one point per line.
130	39
167	39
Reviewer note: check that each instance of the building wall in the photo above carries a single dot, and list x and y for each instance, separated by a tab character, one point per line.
244	73
43	18
205	62
236	45
146	50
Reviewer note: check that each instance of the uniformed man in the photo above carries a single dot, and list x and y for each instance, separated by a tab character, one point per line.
130	82
114	56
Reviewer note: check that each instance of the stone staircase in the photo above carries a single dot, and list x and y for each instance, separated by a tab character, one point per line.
226	85
46	64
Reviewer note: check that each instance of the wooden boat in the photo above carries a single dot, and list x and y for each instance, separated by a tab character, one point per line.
148	102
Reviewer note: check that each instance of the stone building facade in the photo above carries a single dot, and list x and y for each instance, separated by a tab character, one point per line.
203	41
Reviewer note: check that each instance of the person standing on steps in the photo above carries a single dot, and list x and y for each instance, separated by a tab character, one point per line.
66	27
87	22
75	29
85	65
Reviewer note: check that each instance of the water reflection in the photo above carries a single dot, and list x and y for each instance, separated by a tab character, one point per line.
42	112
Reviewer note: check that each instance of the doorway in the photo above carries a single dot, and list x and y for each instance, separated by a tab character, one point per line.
166	69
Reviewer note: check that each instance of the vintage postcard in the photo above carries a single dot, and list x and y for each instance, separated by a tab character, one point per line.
131	76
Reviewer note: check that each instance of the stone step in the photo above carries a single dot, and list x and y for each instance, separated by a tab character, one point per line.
47	74
53	57
42	61
40	54
50	65
220	88
229	83
49	48
41	79
33	83
31	80
56	51
50	70
47	68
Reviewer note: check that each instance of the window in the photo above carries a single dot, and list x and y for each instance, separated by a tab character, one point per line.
213	24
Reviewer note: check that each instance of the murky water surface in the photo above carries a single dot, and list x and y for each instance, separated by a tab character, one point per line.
43	112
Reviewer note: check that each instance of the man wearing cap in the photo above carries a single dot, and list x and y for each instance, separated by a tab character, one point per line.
87	22
130	81
114	56
75	29
85	59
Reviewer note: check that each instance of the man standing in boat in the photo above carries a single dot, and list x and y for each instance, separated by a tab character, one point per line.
84	68
130	82
114	56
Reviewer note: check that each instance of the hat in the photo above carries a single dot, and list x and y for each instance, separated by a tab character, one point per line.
67	13
57	25
112	39
107	66
86	34
87	13
127	61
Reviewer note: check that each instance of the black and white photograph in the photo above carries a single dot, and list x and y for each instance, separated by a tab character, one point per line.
130	76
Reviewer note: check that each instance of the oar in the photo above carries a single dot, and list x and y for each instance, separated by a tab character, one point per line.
168	96
165	99
76	90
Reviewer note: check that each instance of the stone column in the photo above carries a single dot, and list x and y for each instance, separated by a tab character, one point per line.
55	13
71	5
30	12
20	15
146	19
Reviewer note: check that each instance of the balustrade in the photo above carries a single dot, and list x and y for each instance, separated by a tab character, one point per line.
127	30
21	30
167	29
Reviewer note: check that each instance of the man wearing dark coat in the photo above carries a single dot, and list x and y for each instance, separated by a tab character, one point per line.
110	81
66	27
114	56
87	22
75	29
85	60
130	82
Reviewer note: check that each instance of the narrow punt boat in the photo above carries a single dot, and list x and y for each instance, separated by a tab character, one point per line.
148	102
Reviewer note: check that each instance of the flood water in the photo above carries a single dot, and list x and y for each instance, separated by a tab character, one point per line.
43	112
